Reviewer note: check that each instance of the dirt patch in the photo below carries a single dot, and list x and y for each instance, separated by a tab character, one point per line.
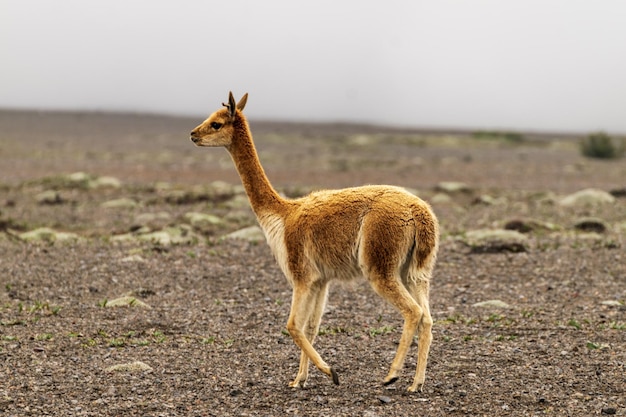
212	339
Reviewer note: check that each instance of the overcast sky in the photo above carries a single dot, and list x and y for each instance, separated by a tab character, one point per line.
556	65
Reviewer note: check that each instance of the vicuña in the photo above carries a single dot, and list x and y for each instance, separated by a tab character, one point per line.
382	233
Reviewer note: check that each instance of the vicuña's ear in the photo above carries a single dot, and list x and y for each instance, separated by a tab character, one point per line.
232	107
242	102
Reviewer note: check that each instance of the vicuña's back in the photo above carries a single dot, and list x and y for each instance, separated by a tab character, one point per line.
383	233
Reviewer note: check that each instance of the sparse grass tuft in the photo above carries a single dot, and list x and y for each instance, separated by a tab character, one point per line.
158	336
14	322
116	342
574	323
458	318
597	346
602	146
378	331
503	338
208	340
324	331
513	137
498	320
36	310
616	325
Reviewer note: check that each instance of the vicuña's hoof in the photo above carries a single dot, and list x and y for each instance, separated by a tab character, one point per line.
297	384
391	381
335	376
416	387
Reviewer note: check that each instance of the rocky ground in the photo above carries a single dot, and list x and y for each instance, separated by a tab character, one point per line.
124	292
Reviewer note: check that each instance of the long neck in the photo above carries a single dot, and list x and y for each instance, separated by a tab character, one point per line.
263	197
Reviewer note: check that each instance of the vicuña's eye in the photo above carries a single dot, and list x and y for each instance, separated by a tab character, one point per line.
216	125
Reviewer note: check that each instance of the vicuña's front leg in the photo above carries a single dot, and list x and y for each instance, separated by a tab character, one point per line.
311	331
307	307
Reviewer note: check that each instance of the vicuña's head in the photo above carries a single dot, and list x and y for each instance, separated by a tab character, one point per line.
218	129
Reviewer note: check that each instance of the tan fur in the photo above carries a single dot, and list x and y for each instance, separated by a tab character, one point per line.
383	233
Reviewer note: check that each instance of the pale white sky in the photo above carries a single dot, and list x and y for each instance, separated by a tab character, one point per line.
555	65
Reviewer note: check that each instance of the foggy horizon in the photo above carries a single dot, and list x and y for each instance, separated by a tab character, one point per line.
529	66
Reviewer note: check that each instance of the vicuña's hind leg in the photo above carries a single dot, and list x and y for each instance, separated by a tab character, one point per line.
311	329
420	294
391	289
304	300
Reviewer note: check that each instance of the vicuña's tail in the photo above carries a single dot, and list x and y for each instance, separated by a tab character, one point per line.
426	245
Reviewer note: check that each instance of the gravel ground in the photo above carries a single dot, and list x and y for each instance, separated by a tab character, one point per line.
211	340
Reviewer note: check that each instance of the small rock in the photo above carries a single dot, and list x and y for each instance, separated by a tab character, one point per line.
120	203
496	240
518	225
452	187
251	234
108	182
441	198
587	197
492	304
175	235
78	177
45	234
591	224
612	303
609	410
384	399
159	238
201	219
126	301
136	366
529	225
488	200
133	258
49	197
